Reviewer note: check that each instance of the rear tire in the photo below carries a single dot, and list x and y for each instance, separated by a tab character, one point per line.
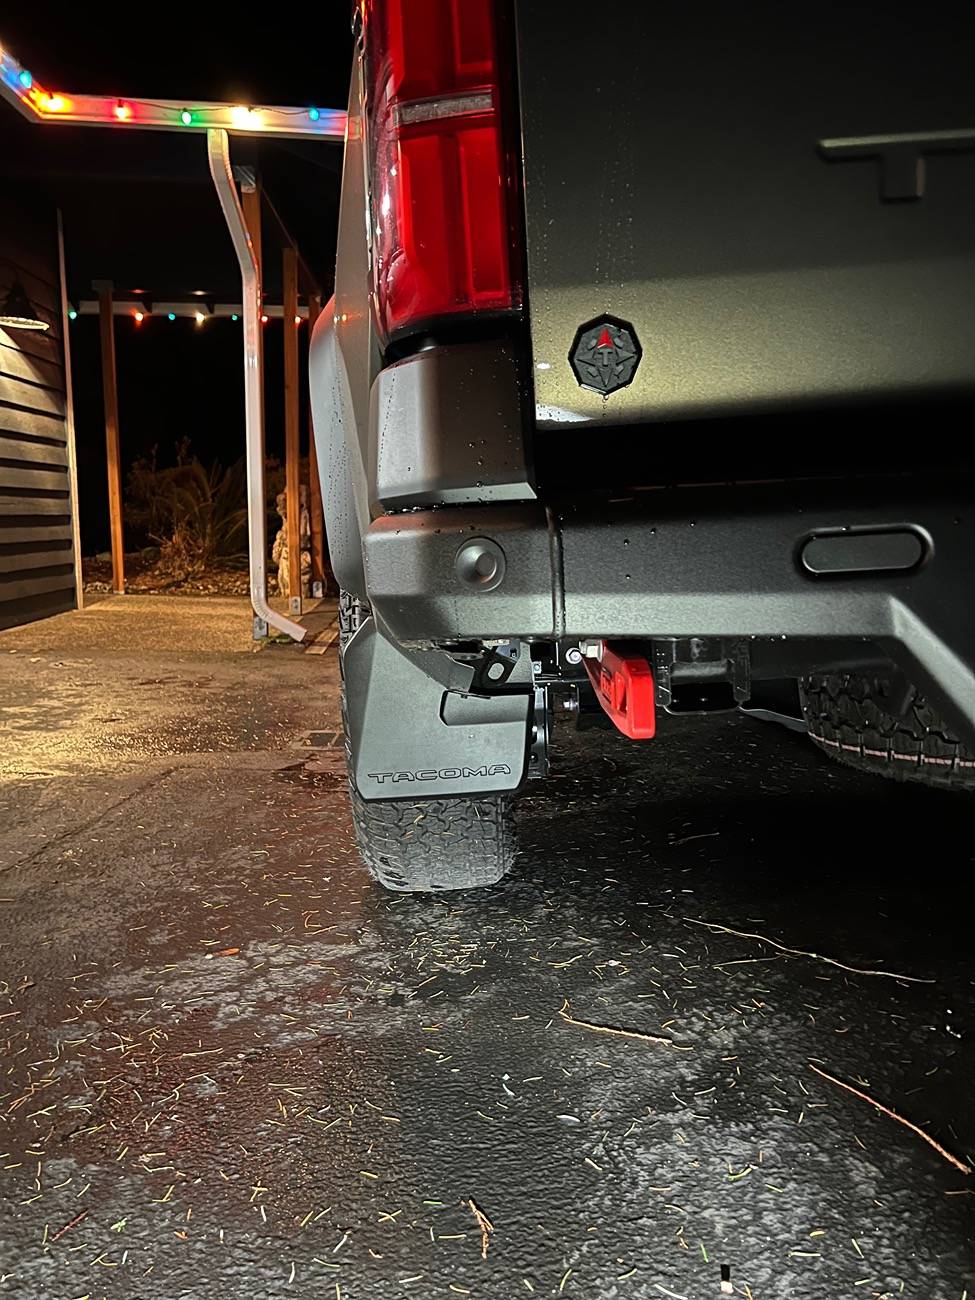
847	717
426	845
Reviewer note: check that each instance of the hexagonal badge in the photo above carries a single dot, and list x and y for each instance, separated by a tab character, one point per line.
605	354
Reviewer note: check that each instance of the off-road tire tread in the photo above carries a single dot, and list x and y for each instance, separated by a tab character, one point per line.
846	718
426	845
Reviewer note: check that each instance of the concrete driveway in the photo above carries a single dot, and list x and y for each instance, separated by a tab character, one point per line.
231	1066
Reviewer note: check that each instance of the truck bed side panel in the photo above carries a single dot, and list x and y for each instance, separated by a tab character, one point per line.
675	179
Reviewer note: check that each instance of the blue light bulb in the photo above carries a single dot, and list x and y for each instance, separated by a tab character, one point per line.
234	316
172	315
314	114
25	79
72	314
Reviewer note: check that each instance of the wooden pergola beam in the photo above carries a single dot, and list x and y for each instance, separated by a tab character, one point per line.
106	323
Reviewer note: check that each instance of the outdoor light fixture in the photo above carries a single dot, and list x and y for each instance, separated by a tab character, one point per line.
17	311
139	317
199	317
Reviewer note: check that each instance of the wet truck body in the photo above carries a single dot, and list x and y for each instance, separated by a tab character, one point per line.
646	389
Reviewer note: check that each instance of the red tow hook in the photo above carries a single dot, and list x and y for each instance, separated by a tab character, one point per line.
624	687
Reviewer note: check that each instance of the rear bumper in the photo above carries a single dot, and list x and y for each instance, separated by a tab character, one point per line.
701	562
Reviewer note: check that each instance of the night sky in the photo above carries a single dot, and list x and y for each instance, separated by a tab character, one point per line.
141	211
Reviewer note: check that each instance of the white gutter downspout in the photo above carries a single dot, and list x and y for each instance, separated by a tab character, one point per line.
218	154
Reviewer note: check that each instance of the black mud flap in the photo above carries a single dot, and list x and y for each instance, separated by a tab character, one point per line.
416	734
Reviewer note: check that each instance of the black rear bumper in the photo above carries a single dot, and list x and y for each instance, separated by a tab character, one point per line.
722	562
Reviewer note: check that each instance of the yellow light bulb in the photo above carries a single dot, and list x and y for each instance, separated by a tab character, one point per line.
245	119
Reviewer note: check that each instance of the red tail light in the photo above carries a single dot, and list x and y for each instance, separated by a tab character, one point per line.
443	183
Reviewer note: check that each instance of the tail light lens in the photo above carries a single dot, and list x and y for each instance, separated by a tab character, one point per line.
443	181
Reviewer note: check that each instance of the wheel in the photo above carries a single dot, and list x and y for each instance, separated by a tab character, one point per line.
856	721
426	845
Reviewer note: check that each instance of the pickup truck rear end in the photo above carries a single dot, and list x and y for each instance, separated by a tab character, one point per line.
647	378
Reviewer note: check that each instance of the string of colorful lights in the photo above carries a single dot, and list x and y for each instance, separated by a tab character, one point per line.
19	86
140	311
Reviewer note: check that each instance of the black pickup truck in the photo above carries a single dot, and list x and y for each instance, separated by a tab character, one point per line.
648	378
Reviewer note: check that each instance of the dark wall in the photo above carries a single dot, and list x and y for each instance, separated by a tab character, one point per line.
36	553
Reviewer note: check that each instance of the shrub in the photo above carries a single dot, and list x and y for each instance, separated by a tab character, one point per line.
193	514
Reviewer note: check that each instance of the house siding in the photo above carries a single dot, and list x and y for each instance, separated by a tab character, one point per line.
37	573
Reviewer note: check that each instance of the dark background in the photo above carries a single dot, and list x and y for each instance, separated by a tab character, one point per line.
139	209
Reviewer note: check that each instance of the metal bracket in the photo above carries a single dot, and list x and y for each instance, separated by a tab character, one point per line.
740	664
663	658
538	753
687	658
496	665
246	177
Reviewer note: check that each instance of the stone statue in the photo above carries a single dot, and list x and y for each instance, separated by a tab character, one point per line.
279	551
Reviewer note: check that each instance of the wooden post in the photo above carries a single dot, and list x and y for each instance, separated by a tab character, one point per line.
106	321
292	444
250	202
315	512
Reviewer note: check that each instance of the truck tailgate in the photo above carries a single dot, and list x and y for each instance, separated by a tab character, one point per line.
676	179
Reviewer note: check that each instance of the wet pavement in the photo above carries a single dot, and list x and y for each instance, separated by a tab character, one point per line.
232	1066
